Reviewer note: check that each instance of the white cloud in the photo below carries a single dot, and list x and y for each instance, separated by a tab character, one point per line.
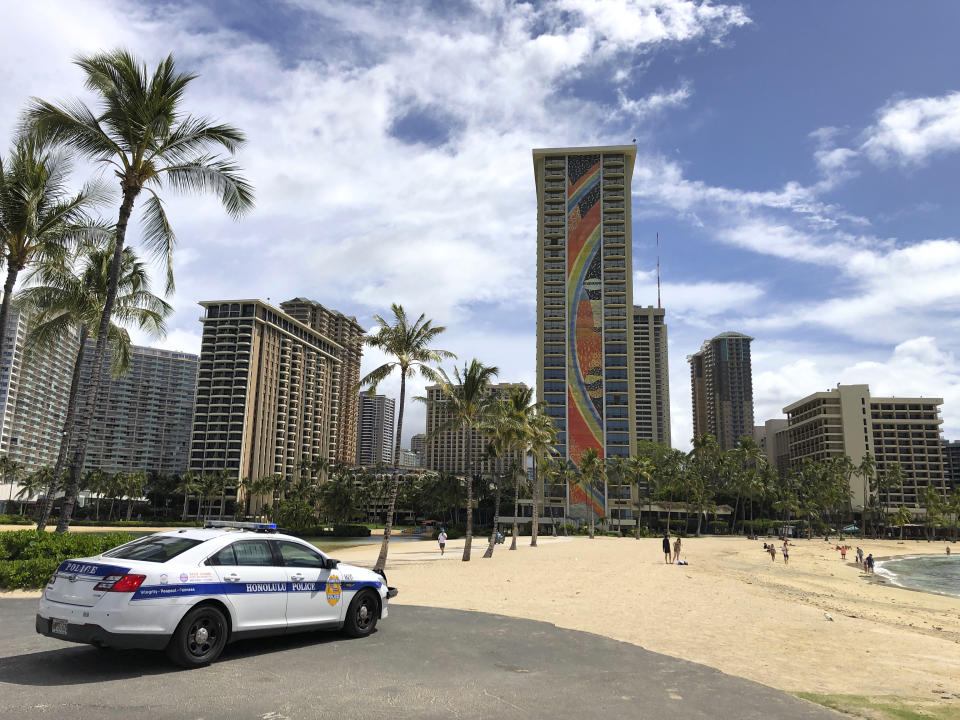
910	130
693	300
642	108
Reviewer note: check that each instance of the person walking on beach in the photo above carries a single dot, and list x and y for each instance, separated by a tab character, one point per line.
859	555
786	553
843	552
666	548
773	552
442	539
870	563
676	549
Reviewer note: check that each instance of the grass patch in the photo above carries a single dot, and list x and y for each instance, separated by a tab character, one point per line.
887	707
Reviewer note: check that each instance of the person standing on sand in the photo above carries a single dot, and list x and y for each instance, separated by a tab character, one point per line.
786	553
859	555
773	553
676	549
870	563
666	548
843	552
442	539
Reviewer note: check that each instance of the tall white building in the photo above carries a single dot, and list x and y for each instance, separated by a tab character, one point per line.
375	442
34	392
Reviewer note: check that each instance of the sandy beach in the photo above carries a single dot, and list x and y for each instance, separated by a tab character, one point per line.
730	608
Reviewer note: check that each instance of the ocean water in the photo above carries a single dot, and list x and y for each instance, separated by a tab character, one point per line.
931	573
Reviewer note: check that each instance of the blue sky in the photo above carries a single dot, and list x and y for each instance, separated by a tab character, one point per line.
799	160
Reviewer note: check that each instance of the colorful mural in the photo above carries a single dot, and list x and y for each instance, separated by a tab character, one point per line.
584	319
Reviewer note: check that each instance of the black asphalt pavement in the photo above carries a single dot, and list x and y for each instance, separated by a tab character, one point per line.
421	663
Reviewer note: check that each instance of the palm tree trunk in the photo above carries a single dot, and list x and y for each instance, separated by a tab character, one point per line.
516	508
68	424
590	510
394	480
536	504
99	355
12	271
186	504
469	458
129	508
496	517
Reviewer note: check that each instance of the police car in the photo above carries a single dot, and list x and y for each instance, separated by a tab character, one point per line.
192	591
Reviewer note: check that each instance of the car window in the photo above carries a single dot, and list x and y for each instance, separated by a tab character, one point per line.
224	557
295	555
153	548
253	552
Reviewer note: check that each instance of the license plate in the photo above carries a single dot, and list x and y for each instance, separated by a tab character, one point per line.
58	627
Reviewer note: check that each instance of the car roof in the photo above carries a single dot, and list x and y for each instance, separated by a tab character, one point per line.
205	534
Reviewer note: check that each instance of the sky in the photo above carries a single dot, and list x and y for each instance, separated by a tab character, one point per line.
799	161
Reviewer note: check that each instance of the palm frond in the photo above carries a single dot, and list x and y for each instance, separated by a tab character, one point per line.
158	235
209	173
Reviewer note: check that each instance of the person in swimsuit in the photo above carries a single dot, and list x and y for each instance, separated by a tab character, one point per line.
786	553
676	549
666	548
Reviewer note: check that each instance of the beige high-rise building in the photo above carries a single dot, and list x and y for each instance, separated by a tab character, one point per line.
652	375
721	383
846	420
34	392
266	392
773	437
347	333
447	451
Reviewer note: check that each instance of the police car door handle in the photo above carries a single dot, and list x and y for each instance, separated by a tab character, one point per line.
232	577
297	578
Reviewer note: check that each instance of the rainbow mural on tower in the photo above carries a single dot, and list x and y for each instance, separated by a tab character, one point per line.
584	315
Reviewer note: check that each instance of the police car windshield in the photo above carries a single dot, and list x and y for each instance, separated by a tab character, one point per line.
153	548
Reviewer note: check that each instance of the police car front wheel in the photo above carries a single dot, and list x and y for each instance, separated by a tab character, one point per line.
199	638
362	615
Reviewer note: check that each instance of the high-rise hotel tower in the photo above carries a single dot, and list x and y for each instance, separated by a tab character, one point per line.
585	372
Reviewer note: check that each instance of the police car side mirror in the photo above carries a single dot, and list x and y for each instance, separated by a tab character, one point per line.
331	564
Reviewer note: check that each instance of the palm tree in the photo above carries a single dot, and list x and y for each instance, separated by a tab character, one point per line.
33	485
37	217
70	294
901	517
866	470
134	488
144	136
639	469
502	428
617	468
10	471
592	474
409	346
522	410
541	441
188	487
469	402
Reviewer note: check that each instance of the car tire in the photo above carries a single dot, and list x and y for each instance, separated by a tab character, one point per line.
362	615
199	638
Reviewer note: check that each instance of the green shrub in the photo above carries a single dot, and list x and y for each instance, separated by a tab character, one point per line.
26	574
291	514
15	520
28	558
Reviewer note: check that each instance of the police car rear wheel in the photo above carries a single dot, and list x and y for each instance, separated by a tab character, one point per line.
361	615
199	638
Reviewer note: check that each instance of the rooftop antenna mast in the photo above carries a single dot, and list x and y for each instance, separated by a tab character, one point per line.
658	270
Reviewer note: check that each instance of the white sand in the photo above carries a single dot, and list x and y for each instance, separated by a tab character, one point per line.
730	608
